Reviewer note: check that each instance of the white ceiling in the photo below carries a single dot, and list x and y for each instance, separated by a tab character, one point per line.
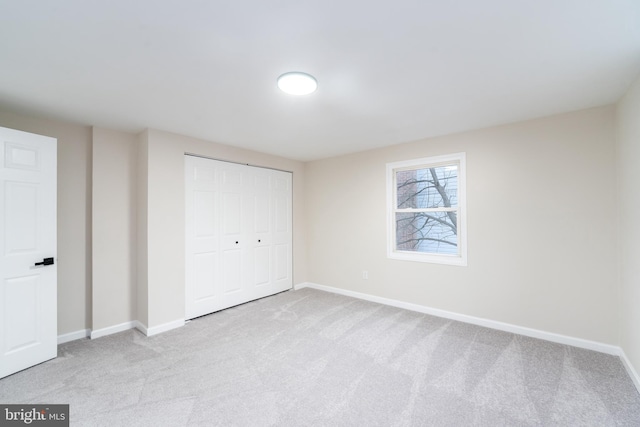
388	71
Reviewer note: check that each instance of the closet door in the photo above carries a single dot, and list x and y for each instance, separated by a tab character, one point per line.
260	231
270	233
233	233
203	272
281	226
238	234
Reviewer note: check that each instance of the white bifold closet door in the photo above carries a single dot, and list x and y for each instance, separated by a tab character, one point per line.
238	234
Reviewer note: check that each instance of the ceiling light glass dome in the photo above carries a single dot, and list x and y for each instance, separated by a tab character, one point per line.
297	83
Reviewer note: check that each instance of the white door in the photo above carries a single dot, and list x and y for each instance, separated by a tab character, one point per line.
28	283
230	183
281	224
269	239
238	234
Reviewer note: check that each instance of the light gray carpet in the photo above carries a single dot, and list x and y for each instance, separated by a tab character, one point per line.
310	358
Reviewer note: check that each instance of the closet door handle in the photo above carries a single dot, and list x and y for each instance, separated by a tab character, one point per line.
259	240
236	242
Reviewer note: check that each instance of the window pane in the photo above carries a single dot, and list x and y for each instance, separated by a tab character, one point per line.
429	232
427	188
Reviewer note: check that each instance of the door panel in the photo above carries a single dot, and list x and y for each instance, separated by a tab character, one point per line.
232	272
22	301
231	213
231	175
262	265
282	183
282	236
204	214
282	223
18	156
28	292
204	173
21	216
261	214
282	270
205	270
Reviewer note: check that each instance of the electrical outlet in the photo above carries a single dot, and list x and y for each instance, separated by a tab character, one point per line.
365	274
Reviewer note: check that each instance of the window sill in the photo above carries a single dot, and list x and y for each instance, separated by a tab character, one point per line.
430	258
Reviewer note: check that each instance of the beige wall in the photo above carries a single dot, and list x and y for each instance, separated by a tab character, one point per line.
74	215
114	230
541	226
165	216
628	164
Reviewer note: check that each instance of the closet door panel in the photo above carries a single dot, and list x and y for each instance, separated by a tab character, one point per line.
202	267
262	266
282	234
232	242
260	241
231	214
232	271
205	272
259	238
262	214
281	264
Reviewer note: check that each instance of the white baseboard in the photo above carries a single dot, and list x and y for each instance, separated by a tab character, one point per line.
493	324
113	329
155	330
72	336
630	370
142	328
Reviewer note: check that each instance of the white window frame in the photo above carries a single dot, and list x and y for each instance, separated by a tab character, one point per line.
458	159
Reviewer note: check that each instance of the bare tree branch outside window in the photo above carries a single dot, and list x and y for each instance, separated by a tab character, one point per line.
426	213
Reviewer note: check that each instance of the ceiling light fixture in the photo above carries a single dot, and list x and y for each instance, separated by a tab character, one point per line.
297	83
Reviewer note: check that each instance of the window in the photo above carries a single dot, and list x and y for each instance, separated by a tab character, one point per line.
426	210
